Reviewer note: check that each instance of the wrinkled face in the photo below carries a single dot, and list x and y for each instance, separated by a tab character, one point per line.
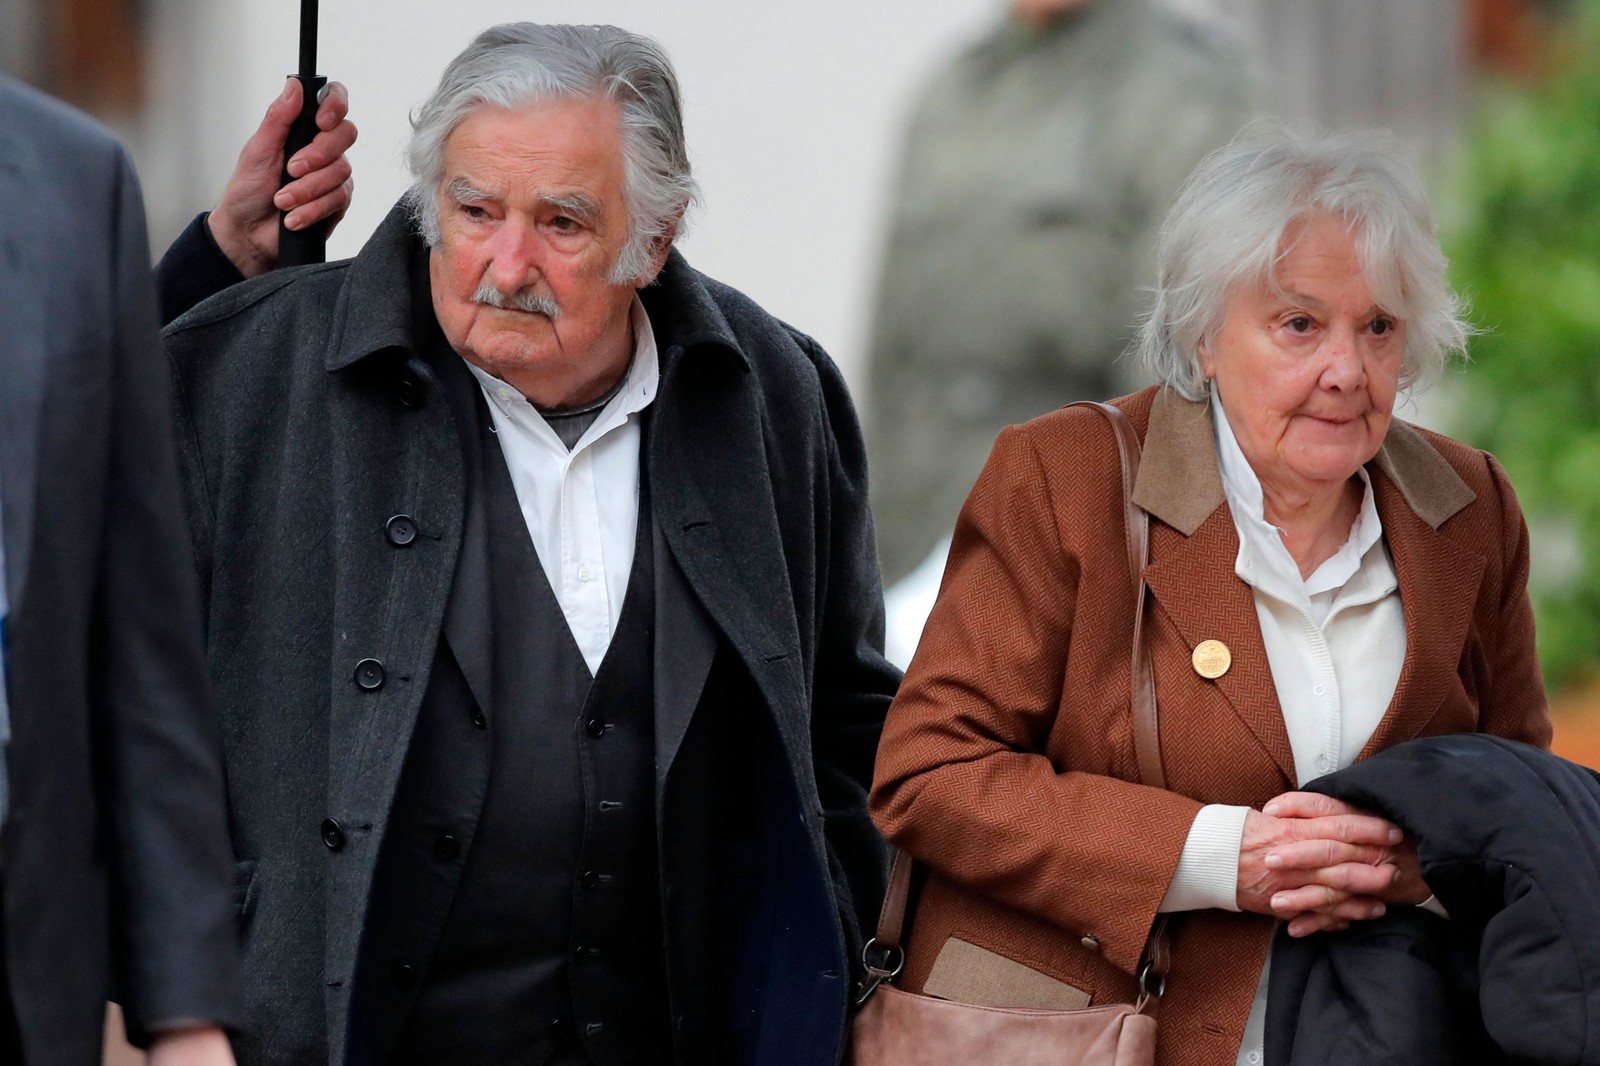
532	216
1308	375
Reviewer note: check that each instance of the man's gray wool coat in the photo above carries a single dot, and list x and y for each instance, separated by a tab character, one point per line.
308	419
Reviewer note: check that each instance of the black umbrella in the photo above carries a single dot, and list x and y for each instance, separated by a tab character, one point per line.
308	245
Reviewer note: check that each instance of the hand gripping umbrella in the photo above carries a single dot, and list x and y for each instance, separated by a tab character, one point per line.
308	245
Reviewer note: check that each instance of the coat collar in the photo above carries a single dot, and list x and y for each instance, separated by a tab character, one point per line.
1180	483
375	314
684	314
371	318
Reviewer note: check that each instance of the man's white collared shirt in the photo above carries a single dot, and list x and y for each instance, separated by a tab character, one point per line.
581	506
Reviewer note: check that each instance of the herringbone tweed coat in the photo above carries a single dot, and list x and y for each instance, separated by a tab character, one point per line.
1008	766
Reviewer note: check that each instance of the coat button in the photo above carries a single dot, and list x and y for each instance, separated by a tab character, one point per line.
478	718
590	879
332	835
560	1029
404	976
584	954
410	393
595	727
369	674
1091	942
446	847
400	530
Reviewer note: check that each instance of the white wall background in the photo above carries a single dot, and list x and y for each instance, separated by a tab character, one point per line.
793	114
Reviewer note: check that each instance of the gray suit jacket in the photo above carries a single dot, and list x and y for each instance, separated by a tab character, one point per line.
308	420
115	849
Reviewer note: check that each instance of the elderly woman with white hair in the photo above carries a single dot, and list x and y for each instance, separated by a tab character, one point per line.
1324	581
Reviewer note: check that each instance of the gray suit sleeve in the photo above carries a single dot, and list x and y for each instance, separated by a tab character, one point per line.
175	938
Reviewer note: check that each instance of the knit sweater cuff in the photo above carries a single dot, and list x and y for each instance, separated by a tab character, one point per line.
1208	869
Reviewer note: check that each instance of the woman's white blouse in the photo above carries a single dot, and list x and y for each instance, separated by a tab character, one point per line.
1335	643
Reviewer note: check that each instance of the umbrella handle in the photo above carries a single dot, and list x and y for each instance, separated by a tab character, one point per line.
309	245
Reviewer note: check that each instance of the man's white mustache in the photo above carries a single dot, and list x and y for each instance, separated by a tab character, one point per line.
534	303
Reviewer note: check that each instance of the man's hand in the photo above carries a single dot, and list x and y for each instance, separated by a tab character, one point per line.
202	1046
1321	864
245	221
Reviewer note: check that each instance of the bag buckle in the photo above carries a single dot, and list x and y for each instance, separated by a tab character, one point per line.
1151	983
880	971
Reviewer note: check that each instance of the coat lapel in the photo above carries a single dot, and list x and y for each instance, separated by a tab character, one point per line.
686	642
1195	588
468	610
1439	581
24	345
1191	571
707	445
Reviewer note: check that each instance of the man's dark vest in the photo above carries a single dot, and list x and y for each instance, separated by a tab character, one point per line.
522	834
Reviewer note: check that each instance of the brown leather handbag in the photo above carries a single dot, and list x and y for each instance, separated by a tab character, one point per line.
893	1027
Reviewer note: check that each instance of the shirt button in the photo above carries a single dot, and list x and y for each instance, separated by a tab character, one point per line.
1320	691
401	530
332	835
584	574
595	727
1253	1058
1326	764
369	674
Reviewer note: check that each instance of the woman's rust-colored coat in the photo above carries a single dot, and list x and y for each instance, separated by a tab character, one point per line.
1007	764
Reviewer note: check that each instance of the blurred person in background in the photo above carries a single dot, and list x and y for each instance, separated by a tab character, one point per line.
1037	168
1325	582
1402	65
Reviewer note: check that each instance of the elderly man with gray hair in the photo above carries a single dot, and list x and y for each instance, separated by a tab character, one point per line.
543	608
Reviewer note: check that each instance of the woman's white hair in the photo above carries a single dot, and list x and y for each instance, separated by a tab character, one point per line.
523	62
1228	229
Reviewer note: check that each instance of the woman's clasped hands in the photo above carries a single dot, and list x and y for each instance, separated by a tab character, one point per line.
1320	864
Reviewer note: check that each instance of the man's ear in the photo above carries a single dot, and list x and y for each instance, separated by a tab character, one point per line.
660	248
1206	369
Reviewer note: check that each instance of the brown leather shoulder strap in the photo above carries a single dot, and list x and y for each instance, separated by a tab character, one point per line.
892	918
1136	524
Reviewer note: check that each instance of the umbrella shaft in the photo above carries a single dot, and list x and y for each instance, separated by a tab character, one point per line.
308	38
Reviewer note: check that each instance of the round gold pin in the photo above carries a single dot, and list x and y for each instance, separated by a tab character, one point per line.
1211	659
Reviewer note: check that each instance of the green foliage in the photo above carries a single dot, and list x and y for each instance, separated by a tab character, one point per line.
1525	250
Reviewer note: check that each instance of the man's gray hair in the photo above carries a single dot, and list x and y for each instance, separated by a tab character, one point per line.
523	62
1228	228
